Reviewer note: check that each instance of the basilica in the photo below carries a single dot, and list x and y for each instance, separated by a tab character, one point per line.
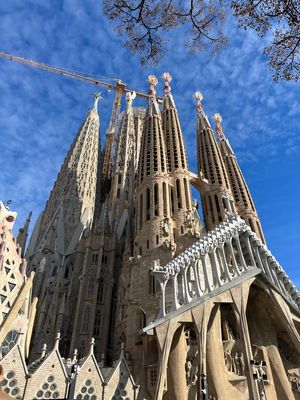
125	292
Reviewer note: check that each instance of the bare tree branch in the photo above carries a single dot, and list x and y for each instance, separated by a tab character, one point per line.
145	23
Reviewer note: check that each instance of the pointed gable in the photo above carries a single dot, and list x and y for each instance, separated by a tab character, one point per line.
15	371
89	380
120	383
48	378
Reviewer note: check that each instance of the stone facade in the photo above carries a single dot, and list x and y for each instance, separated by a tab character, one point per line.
17	309
148	302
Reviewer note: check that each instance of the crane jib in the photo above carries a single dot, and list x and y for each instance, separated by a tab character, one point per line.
120	87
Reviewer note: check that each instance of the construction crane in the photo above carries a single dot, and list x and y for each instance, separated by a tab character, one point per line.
119	87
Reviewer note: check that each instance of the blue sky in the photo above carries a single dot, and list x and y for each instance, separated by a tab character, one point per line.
41	112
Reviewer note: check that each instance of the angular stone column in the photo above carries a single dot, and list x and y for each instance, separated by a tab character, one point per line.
177	389
282	384
215	356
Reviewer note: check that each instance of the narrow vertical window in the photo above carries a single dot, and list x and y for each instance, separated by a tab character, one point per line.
86	319
148	203
151	284
165	198
141	211
172	199
187	197
178	191
156	204
100	291
97	324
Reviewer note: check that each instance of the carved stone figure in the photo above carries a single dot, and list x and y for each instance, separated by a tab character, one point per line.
295	381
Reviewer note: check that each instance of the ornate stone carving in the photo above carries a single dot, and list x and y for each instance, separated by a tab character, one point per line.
294	378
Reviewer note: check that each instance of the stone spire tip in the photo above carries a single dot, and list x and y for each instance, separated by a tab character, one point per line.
153	82
130	96
218	118
44	350
167	79
57	340
92	344
199	97
97	97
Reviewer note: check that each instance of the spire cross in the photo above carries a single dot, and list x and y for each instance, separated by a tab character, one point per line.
167	79
97	97
199	96
218	118
153	82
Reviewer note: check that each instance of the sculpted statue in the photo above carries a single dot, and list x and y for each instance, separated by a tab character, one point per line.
191	368
228	331
165	227
295	381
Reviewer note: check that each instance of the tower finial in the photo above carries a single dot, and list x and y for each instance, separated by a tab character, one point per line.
167	79
122	353
199	96
130	96
218	118
97	97
92	344
75	354
57	340
44	350
153	82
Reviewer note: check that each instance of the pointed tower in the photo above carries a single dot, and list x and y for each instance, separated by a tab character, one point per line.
23	234
214	185
153	216
241	194
108	151
122	187
76	181
180	194
69	211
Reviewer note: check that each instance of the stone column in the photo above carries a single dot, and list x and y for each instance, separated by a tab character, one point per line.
177	389
282	384
215	357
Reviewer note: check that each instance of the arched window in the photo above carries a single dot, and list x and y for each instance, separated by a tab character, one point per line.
90	288
86	319
100	291
97	324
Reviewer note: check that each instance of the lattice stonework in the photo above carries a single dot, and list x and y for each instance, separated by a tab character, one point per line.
11	278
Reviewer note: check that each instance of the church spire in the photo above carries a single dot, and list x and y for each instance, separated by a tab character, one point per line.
241	194
23	233
153	184
107	164
76	181
215	191
68	212
181	204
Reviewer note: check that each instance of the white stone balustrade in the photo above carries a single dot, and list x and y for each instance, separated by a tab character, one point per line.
220	257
